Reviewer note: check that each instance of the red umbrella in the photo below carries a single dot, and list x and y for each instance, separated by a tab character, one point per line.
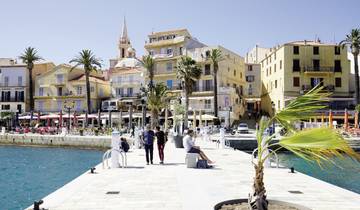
75	119
60	119
48	122
346	120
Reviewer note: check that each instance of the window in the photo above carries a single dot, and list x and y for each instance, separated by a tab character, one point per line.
278	104
151	52
207	69
169	66
337	66
60	78
274	68
19	96
130	91
131	78
92	89
19	108
119	91
59	106
296	81
79	90
41	106
250	78
240	75
78	105
5	107
19	80
337	50
316	81
250	67
41	91
207	85
316	50
5	96
6	81
207	53
316	65
296	65
181	50
280	67
296	50
338	82
162	51
207	103
169	84
275	83
270	70
60	91
234	73
169	51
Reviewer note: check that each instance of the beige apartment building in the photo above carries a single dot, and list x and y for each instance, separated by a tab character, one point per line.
167	47
294	68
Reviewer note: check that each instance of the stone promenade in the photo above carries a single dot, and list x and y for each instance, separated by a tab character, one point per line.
172	186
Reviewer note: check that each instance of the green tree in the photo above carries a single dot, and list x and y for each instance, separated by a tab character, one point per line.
215	57
87	59
316	145
29	57
157	100
188	72
149	64
353	40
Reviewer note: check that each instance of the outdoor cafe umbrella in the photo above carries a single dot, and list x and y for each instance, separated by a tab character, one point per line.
60	119
194	119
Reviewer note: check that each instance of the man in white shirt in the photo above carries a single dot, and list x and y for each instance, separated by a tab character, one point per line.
190	147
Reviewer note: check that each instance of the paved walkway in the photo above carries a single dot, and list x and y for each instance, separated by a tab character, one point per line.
173	186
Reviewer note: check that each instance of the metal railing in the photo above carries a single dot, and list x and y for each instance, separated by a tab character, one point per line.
271	158
107	155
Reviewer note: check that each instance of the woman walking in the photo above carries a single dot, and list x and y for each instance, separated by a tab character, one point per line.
161	140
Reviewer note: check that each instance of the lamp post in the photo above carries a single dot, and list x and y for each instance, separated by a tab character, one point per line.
68	105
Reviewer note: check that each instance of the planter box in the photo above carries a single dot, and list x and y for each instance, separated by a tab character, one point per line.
178	140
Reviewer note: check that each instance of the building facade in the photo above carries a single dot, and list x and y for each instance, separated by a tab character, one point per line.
126	73
167	48
60	85
294	68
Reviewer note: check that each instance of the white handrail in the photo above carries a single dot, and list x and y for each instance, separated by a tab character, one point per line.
107	155
271	152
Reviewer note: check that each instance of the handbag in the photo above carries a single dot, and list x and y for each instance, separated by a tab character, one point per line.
202	164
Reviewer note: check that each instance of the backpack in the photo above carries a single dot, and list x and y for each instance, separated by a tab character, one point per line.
125	146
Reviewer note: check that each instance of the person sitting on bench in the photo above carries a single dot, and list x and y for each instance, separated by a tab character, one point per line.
190	147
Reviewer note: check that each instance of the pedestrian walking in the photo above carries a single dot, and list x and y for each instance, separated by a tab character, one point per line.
148	140
161	140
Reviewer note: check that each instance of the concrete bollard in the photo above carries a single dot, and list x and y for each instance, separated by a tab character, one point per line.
115	142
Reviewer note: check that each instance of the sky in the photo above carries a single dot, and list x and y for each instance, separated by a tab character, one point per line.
61	29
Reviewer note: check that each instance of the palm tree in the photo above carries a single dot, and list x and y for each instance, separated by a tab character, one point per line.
87	59
353	40
149	64
188	72
156	100
215	57
29	57
316	145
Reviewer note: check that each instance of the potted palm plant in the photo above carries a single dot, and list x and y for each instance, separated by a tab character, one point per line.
316	145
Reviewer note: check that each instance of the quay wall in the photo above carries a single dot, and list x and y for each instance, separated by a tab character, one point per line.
98	142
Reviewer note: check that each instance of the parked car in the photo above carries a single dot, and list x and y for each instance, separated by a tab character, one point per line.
243	128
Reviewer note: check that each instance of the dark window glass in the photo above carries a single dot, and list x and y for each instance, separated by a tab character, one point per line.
337	50
296	65
338	82
296	81
316	65
207	69
296	50
337	66
316	50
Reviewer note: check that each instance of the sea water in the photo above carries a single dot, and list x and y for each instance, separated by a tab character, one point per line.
31	173
344	173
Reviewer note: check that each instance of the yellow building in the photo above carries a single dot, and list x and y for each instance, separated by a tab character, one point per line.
60	84
167	47
294	68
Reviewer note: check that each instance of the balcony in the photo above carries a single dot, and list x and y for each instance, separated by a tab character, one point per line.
306	88
203	89
12	100
318	69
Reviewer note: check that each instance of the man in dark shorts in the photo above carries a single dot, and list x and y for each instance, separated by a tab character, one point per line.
161	140
190	147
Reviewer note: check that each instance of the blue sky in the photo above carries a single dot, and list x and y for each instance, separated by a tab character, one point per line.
60	29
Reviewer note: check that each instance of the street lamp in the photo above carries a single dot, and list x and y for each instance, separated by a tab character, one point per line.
68	105
273	112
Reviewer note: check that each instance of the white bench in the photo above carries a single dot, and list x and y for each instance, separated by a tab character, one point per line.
191	160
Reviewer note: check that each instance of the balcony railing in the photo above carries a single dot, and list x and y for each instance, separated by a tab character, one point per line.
318	69
12	100
203	89
306	88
